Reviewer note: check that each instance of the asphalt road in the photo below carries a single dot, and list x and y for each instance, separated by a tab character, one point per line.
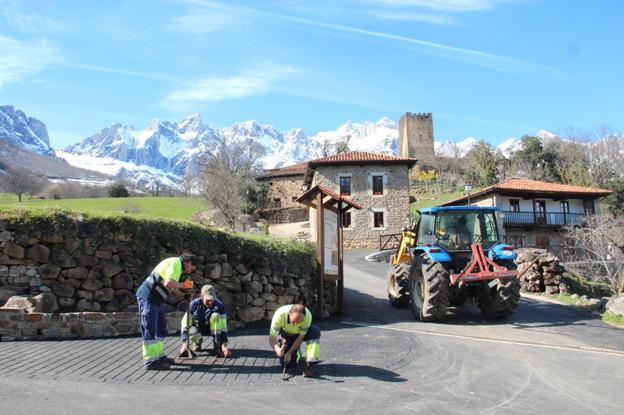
546	359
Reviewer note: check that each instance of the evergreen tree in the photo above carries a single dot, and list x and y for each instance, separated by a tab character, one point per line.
482	165
118	190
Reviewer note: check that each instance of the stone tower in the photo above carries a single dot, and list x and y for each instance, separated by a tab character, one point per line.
416	136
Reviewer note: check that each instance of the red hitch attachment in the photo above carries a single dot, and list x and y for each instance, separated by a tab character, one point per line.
481	268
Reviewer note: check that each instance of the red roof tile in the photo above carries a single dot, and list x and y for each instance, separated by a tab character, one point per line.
535	186
292	170
538	186
357	157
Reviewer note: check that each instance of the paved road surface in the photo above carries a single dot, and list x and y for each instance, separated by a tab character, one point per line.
546	359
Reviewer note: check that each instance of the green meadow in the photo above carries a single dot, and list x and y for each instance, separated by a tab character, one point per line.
177	208
430	199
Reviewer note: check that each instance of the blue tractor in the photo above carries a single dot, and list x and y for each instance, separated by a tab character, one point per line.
452	255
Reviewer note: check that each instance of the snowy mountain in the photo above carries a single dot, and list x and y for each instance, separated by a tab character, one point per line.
455	149
165	152
25	132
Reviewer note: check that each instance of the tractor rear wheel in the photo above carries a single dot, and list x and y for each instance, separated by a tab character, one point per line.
501	300
398	281
429	288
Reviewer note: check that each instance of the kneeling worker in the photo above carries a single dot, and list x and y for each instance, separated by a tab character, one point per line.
293	323
207	318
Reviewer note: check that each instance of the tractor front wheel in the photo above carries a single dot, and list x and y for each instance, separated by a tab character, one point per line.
398	276
429	288
501	300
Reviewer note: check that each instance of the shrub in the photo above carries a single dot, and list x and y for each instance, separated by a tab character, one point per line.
118	190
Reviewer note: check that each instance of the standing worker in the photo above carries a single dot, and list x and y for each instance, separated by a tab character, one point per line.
207	318
150	296
293	323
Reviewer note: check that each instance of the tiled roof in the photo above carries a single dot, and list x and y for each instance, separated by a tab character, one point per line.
292	170
535	186
538	186
357	157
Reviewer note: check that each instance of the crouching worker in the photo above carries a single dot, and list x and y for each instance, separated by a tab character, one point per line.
208	318
293	325
150	296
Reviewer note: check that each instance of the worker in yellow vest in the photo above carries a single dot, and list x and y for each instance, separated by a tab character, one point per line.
150	296
292	325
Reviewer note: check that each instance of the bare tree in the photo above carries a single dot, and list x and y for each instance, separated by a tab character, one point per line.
189	185
228	170
324	149
342	146
20	182
601	240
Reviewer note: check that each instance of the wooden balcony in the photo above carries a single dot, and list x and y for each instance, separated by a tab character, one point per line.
550	219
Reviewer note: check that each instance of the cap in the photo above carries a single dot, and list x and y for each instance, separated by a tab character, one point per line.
208	292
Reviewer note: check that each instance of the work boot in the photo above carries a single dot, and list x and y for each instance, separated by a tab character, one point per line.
158	365
167	360
308	371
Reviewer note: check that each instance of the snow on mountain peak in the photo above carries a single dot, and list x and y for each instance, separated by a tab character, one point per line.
385	122
546	135
191	122
24	131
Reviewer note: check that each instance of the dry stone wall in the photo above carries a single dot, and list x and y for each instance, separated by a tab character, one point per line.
71	276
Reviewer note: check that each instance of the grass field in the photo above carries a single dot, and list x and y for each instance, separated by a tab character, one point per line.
178	208
429	199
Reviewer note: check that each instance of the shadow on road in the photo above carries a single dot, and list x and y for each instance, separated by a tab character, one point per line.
531	313
231	366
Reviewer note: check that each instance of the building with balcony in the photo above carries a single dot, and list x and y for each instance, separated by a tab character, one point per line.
533	212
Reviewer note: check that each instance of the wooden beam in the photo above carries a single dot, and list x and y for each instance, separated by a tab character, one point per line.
340	262
320	248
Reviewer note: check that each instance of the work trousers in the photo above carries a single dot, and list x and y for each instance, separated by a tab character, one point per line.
216	328
312	341
153	331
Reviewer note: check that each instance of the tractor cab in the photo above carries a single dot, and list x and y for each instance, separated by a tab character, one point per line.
456	228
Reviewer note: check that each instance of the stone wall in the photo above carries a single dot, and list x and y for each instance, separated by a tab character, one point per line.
289	215
416	137
285	189
89	269
394	202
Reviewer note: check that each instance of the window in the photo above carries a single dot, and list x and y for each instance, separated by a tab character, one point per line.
588	207
425	230
377	185
294	198
345	186
515	205
346	220
378	219
565	206
277	202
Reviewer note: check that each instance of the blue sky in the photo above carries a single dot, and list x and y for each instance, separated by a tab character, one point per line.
491	69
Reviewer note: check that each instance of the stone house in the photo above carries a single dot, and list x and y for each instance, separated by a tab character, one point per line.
533	212
285	185
377	182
